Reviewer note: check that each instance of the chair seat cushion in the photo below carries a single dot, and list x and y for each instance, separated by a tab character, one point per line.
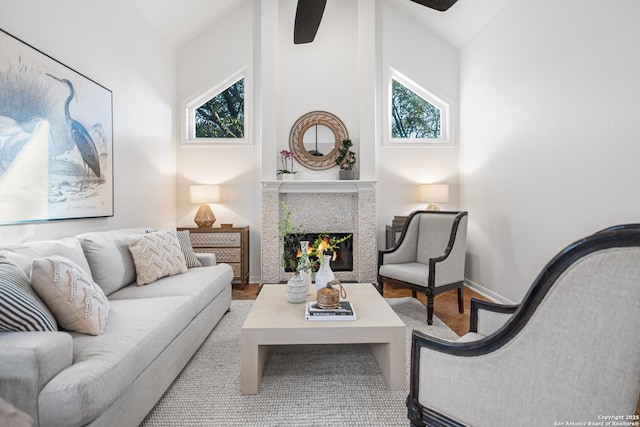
412	272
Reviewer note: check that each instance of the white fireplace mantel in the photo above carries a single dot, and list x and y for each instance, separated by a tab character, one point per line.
318	186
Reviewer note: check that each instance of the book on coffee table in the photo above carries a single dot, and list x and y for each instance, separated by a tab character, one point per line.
344	311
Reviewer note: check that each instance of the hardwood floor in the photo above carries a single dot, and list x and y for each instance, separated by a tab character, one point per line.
445	307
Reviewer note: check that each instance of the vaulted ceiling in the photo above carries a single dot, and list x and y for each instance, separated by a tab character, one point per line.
181	20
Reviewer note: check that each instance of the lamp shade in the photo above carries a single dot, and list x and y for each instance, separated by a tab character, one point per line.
434	193
204	194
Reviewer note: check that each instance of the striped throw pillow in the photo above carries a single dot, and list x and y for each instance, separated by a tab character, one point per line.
21	310
187	250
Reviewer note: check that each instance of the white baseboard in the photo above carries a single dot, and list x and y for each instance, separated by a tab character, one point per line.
487	292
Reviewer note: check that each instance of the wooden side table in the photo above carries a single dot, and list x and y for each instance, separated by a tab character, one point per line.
229	244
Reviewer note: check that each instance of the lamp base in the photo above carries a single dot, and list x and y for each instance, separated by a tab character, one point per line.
433	207
204	217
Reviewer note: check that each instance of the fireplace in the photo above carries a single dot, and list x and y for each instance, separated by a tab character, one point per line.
342	259
321	206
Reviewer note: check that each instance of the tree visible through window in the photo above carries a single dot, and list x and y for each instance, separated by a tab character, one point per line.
223	115
412	116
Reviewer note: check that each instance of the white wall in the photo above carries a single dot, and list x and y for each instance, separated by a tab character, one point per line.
432	63
345	60
225	48
549	140
111	43
321	75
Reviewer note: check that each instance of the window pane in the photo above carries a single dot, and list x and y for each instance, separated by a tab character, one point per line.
412	116
223	115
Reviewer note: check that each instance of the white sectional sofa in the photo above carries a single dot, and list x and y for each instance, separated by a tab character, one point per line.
71	379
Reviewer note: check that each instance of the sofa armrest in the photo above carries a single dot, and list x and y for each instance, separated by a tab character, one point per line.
487	317
206	259
28	361
12	416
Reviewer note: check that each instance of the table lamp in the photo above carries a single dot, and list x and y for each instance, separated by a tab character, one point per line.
434	194
203	195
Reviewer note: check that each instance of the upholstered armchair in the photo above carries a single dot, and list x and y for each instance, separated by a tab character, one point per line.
567	353
429	256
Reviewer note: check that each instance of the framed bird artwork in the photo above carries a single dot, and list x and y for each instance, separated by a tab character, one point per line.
56	139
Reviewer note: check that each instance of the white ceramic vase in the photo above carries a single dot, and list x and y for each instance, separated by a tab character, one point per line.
296	289
324	274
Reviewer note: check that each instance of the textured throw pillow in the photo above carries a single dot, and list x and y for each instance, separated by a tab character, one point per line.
156	255
76	301
20	308
187	250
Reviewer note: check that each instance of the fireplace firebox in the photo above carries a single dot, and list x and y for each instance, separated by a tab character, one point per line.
342	259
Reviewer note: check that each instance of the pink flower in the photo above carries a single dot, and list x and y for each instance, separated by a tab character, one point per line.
285	155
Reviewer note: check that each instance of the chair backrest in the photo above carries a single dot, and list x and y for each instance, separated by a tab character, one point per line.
434	234
570	352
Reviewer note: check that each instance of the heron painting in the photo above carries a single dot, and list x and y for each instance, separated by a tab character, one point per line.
56	144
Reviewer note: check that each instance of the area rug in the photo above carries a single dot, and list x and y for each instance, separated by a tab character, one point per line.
316	385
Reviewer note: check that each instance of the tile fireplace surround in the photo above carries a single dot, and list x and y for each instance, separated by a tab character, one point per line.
316	207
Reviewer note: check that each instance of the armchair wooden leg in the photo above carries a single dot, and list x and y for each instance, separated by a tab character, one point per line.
460	300
429	309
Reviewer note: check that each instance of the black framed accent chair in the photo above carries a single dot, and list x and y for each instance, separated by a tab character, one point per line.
568	352
429	256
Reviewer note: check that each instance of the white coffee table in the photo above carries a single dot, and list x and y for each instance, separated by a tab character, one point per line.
274	321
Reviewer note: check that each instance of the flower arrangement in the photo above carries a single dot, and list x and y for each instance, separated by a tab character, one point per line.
286	157
294	259
304	262
327	245
288	231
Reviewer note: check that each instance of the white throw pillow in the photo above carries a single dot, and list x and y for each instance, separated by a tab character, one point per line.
156	254
75	300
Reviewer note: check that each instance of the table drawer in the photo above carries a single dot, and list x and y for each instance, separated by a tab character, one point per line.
215	240
223	255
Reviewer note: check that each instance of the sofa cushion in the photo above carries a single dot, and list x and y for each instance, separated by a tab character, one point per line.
202	284
29	360
75	299
20	307
24	253
155	255
187	250
137	332
108	255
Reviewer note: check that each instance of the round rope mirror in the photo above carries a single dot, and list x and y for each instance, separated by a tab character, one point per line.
315	138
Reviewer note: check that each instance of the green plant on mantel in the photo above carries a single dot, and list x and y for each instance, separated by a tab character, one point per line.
346	158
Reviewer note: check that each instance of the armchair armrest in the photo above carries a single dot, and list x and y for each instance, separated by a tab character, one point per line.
487	317
28	361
